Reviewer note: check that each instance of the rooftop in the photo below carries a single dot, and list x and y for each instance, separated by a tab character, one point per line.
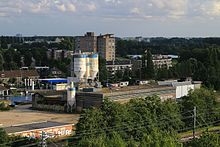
18	73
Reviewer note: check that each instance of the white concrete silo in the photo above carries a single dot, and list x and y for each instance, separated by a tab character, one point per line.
94	65
87	75
71	100
79	65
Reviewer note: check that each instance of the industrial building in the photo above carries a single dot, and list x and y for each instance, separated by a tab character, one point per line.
58	100
182	88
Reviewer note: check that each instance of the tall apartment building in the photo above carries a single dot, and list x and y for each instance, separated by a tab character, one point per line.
86	43
106	46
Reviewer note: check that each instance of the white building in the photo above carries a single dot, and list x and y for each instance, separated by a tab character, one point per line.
182	88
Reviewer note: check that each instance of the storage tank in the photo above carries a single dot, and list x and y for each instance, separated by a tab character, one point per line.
94	65
71	93
79	65
87	75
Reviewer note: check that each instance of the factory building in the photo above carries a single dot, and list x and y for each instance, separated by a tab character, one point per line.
58	100
182	88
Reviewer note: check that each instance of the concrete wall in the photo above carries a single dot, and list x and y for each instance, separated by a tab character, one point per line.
86	100
52	132
183	90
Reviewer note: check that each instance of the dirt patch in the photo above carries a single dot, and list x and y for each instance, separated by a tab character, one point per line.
24	115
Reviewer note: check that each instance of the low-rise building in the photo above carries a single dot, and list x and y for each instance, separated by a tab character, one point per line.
182	88
18	76
118	65
57	100
3	90
162	61
57	54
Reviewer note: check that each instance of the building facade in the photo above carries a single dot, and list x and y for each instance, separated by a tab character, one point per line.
118	65
106	46
86	43
162	61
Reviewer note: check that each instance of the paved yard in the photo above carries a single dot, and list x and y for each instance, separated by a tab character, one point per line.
23	114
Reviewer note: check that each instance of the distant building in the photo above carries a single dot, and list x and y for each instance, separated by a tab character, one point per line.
86	43
58	54
138	39
162	61
3	90
55	72
18	75
118	65
182	88
103	44
106	47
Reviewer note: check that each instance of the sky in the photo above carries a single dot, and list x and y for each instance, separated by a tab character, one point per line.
124	18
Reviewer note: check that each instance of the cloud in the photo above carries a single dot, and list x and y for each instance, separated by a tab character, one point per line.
71	7
135	11
61	7
2	14
91	7
211	8
141	9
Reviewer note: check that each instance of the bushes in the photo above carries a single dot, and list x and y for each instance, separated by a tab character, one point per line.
4	106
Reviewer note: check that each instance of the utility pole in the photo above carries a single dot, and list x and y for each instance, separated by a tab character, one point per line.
194	121
43	139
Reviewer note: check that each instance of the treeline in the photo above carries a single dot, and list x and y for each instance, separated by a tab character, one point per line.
15	54
200	64
199	58
164	45
147	122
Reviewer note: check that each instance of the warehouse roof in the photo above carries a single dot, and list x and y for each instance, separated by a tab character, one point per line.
3	88
54	80
18	73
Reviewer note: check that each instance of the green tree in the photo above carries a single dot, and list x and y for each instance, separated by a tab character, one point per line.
1	62
148	65
103	74
206	140
206	104
115	123
3	138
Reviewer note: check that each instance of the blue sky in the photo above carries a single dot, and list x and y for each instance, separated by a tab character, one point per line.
166	18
